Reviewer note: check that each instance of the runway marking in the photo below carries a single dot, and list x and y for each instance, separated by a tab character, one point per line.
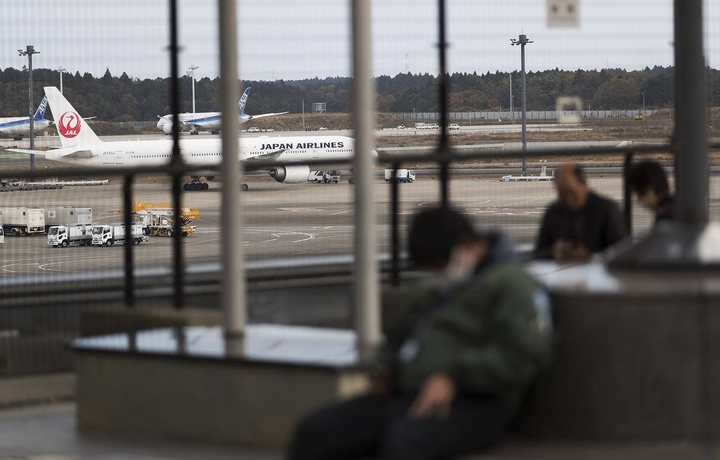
341	212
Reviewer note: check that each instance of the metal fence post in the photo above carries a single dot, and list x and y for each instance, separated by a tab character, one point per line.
128	249
690	147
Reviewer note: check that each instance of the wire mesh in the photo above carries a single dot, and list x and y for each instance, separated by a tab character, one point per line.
614	68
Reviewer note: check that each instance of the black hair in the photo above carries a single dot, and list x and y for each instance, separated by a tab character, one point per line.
434	233
578	173
649	175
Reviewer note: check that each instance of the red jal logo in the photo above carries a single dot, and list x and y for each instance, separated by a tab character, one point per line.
69	125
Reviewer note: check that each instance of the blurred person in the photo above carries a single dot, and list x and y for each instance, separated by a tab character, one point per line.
461	347
580	223
650	184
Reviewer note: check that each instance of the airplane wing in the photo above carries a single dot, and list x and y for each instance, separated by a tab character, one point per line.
263	115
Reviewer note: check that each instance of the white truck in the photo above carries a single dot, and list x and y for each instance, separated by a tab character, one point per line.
110	234
324	177
67	215
62	236
403	175
21	220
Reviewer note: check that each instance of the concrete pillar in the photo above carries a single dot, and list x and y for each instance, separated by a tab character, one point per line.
233	270
366	293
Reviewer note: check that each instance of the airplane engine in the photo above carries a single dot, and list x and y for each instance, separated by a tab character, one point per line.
167	128
291	174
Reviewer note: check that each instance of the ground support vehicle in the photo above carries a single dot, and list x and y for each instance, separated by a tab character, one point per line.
110	234
62	236
324	177
158	218
67	215
23	220
403	175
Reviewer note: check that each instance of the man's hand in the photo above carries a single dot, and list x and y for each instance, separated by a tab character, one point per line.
566	250
435	398
380	382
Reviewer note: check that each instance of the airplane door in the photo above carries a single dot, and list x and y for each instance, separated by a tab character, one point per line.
316	153
119	157
243	153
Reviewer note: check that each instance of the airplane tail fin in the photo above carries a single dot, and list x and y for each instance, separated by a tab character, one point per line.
71	127
40	112
243	101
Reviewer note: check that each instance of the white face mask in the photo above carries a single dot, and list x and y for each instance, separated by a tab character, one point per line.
463	260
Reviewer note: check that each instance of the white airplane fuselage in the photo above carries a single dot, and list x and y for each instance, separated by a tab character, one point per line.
208	152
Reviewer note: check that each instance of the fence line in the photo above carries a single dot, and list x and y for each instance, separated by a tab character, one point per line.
507	115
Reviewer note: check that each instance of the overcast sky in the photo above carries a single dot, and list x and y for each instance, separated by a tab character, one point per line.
294	39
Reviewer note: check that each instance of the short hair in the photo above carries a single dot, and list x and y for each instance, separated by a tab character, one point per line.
578	173
434	233
649	175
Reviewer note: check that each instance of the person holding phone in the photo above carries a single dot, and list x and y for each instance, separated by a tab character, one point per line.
580	223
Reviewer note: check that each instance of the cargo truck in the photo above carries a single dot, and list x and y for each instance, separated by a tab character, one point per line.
67	215
403	175
23	220
110	234
64	235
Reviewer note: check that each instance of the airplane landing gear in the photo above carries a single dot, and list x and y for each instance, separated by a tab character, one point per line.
195	185
352	176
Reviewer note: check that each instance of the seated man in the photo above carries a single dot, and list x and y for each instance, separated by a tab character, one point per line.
650	184
580	222
461	348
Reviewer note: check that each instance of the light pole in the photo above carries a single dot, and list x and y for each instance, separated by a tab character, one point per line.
29	51
191	71
643	95
522	41
61	70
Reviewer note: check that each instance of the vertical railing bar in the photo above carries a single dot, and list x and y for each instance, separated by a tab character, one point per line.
128	248
395	226
178	282
627	191
443	84
178	271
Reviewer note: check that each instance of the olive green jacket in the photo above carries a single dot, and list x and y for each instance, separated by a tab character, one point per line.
490	335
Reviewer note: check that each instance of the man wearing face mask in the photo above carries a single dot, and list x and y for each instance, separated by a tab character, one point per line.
580	223
461	347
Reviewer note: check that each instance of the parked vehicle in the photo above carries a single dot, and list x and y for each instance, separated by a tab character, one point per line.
64	235
324	177
453	126
110	234
67	215
403	175
23	220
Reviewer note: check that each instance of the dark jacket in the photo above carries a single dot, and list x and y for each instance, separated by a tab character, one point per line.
597	226
490	335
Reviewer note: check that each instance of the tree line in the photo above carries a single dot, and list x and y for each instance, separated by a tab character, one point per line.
122	98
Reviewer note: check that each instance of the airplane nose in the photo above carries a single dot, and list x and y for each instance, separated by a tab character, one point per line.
374	153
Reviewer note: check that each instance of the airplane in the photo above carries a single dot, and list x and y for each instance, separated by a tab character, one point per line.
82	147
209	120
20	126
